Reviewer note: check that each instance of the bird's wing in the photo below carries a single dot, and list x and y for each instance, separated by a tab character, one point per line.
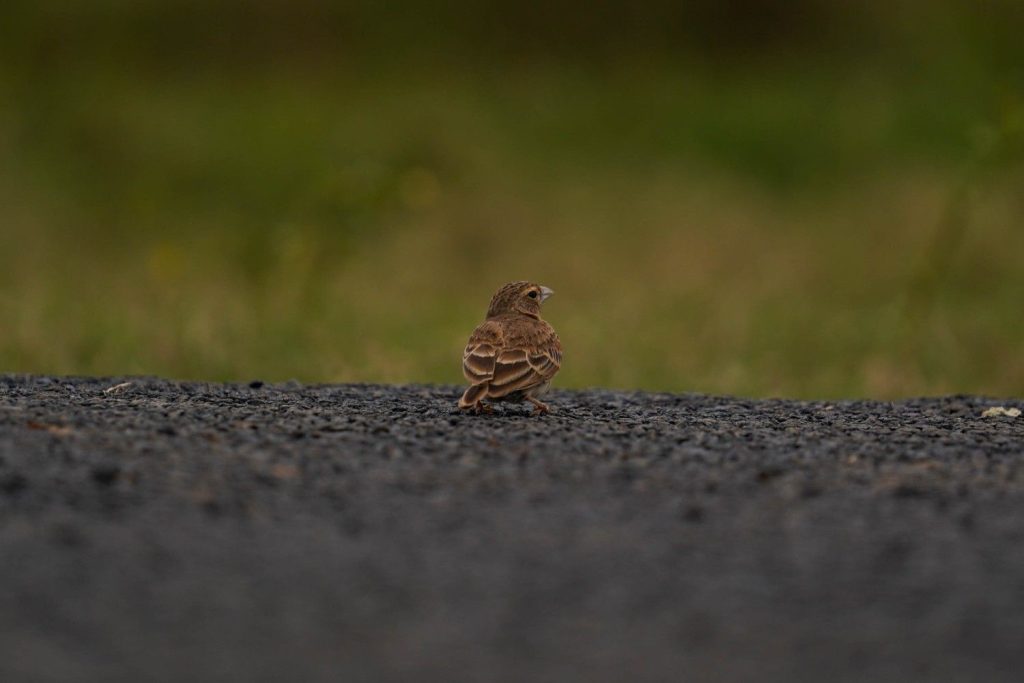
478	360
532	359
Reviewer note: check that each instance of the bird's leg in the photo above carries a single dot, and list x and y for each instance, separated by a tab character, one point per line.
539	407
481	407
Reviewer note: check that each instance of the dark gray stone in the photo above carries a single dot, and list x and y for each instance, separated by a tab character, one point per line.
186	531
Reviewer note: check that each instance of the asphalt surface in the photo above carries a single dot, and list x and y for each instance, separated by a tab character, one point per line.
163	531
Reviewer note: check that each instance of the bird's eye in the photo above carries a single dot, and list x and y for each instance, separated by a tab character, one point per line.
532	294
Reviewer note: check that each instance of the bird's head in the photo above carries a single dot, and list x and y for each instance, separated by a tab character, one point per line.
519	297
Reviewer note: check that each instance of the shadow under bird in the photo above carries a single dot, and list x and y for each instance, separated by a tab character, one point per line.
514	353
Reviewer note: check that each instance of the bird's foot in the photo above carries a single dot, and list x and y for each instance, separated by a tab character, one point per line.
539	407
482	408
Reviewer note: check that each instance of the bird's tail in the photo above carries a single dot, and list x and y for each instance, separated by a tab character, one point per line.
473	395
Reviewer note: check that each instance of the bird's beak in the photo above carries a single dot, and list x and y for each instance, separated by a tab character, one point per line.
545	293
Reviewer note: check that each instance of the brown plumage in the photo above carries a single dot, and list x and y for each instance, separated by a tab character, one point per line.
513	354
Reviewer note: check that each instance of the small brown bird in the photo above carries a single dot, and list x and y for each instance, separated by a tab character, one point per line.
513	354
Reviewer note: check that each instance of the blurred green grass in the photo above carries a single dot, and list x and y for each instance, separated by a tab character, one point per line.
819	224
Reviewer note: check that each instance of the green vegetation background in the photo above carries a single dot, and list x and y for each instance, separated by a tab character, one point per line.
808	198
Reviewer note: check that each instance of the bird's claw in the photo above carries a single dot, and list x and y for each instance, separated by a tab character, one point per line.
539	408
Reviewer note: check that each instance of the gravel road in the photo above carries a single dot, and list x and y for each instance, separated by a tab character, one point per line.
164	531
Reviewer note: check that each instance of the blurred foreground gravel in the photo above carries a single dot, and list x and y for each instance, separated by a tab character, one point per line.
166	531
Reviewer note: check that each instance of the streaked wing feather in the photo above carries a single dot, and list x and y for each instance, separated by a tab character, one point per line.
525	371
544	364
481	352
506	373
478	362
